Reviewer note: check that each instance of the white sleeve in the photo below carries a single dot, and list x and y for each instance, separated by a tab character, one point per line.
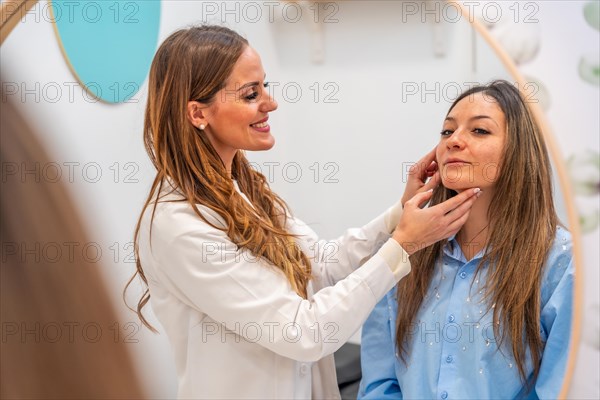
333	260
204	269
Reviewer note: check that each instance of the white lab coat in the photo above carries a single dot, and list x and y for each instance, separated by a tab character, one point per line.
237	328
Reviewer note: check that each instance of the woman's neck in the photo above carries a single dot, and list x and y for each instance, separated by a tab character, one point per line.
473	236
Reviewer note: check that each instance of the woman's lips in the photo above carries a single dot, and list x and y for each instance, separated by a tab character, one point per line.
455	162
262	125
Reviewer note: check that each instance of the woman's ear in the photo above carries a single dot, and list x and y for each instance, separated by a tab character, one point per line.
196	115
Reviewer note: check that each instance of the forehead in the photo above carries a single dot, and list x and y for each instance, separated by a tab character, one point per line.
248	68
477	104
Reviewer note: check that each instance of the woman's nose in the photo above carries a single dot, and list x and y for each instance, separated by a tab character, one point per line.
268	104
456	140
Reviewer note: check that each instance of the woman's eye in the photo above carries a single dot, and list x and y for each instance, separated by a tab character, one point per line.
481	131
446	132
252	96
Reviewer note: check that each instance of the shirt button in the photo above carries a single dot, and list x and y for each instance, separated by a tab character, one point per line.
451	318
444	395
303	369
449	359
463	275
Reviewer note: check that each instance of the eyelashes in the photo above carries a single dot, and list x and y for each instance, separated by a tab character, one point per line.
479	131
254	95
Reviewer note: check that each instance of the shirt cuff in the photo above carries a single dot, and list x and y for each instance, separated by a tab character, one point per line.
396	258
392	216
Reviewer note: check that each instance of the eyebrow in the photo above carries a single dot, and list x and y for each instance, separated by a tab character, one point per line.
250	84
476	117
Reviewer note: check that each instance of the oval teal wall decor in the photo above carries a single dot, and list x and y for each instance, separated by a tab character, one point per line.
108	44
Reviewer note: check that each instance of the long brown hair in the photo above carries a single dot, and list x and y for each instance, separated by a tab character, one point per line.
47	299
194	64
523	193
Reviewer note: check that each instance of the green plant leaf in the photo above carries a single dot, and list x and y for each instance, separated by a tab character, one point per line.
589	68
591	12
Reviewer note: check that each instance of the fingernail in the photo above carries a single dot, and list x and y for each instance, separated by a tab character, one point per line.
476	190
430	190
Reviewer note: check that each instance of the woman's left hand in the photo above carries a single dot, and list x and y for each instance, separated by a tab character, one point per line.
422	176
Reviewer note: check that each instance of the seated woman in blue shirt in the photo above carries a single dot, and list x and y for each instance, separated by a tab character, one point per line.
486	313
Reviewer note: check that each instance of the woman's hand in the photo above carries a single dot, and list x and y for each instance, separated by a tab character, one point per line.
418	174
422	227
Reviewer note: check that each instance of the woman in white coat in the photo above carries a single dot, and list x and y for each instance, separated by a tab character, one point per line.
251	304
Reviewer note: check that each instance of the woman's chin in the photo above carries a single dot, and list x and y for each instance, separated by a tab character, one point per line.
457	186
262	145
267	145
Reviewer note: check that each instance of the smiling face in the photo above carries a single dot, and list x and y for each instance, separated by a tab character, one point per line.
472	142
237	118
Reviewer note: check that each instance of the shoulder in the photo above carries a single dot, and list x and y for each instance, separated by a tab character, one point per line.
389	303
173	216
562	237
561	251
559	262
382	319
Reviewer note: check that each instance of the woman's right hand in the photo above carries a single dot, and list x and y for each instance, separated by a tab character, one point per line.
422	227
422	176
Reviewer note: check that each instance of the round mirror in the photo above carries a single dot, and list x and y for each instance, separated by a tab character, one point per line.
349	126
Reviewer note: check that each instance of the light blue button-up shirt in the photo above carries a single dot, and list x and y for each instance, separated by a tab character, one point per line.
453	352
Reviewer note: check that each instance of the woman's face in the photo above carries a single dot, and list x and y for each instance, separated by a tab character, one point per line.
237	118
472	143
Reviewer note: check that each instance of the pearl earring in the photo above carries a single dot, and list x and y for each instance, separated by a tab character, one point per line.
202	126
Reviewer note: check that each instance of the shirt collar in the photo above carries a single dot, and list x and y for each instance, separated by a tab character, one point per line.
452	249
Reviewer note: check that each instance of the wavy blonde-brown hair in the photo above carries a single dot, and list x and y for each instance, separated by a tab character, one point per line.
194	64
523	223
